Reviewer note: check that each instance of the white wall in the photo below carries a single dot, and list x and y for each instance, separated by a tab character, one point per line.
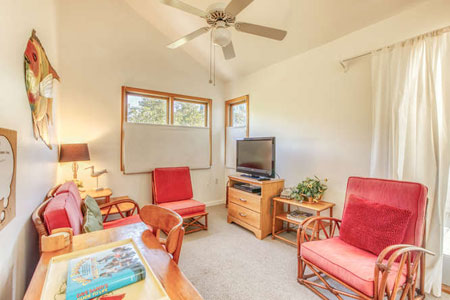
36	164
105	44
320	115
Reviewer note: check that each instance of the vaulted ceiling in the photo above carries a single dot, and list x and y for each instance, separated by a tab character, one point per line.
310	23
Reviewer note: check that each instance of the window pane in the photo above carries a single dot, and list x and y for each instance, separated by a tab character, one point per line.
145	109
189	114
239	115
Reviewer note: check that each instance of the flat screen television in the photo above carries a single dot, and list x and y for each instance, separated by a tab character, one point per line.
256	157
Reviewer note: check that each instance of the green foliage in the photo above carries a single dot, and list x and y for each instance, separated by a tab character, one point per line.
310	187
189	114
239	114
154	111
149	111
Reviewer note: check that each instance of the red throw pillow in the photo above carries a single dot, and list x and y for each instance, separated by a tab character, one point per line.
373	226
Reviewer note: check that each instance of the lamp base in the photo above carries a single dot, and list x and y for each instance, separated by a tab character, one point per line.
78	182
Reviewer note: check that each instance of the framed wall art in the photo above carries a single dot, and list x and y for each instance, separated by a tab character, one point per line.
8	158
39	76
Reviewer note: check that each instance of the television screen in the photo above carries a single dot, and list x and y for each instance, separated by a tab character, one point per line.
256	156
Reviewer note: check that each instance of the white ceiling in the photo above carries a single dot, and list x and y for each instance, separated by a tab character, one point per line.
310	23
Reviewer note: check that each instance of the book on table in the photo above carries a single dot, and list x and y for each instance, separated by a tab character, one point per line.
95	274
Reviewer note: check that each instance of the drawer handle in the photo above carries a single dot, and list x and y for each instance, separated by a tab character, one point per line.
242	214
242	199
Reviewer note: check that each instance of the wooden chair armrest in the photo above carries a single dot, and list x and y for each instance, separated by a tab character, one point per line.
410	257
315	223
118	200
115	203
58	239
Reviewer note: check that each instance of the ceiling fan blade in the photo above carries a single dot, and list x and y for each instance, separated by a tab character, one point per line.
236	6
185	7
189	37
268	32
228	51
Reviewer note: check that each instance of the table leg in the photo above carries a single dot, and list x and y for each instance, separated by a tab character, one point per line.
288	225
274	218
331	215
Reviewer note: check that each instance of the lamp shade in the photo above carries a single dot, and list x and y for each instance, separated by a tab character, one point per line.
73	152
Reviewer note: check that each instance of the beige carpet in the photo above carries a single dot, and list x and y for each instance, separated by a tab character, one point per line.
228	262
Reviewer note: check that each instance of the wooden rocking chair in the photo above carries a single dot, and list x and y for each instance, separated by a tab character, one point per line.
397	269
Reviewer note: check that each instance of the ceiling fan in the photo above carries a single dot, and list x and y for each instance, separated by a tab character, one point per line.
219	17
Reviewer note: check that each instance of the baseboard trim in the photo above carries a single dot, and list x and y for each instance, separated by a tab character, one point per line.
213	203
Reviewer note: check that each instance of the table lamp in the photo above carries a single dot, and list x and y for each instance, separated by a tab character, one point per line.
74	153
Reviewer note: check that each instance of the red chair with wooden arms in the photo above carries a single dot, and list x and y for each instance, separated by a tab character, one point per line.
171	223
172	189
379	251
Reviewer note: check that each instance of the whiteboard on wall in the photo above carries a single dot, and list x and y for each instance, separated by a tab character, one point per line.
146	147
233	133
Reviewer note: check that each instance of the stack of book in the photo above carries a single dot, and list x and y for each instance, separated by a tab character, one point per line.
298	215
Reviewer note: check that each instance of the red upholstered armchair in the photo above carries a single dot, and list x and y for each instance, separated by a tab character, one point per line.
172	189
378	252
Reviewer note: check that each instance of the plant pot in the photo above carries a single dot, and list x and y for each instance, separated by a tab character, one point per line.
313	200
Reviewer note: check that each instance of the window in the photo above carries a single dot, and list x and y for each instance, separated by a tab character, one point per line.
147	110
160	108
164	129
236	126
238	114
189	113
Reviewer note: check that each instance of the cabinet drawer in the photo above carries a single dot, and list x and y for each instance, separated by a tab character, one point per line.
244	199
245	215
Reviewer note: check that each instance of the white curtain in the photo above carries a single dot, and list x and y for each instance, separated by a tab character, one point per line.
411	111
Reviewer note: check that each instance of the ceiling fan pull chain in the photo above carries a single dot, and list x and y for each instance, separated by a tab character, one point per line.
214	64
210	56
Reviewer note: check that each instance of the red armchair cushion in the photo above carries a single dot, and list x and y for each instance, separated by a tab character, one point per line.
350	264
373	226
123	221
410	196
185	207
63	211
171	184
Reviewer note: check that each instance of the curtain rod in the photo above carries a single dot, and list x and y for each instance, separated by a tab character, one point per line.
344	62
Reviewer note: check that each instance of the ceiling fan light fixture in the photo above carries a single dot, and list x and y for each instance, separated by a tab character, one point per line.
221	36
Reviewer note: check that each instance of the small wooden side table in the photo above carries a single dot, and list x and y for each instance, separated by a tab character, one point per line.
280	215
104	195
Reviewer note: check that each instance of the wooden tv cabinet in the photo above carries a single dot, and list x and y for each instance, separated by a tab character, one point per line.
249	210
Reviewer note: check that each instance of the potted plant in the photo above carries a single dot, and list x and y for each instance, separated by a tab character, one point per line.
311	188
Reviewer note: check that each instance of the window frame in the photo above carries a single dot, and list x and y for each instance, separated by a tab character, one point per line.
126	90
228	116
158	97
228	111
172	111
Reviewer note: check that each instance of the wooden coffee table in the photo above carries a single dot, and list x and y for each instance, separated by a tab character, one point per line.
165	269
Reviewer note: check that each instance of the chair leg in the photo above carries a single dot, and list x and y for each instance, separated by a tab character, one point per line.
176	254
195	222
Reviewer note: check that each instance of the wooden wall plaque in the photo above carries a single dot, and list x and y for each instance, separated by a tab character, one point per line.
8	162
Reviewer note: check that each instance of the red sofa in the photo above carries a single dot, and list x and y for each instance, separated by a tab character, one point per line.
62	209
